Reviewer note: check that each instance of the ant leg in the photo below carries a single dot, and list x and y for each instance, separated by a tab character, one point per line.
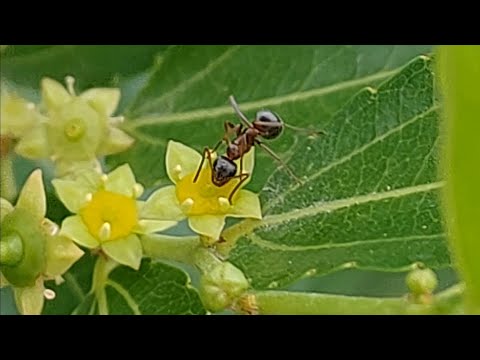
242	117
275	156
206	152
242	178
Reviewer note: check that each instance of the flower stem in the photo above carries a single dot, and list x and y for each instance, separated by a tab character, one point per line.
8	188
285	302
178	248
103	267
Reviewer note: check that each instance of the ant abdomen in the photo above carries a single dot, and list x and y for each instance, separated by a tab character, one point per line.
268	124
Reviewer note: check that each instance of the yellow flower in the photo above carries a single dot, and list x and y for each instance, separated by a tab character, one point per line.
108	214
204	204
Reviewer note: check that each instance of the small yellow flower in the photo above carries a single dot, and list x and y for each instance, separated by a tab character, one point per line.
204	204
108	214
79	128
31	251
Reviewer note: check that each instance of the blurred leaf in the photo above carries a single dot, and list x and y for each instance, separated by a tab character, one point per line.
92	66
186	97
459	68
369	197
155	289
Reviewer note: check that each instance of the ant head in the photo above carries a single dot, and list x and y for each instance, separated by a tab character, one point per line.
268	123
223	170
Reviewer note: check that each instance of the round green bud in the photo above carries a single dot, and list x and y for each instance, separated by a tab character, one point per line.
20	225
221	286
11	249
421	281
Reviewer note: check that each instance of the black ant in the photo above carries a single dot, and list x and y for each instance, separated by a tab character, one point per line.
267	125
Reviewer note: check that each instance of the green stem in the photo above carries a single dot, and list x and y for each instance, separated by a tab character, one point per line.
102	269
178	248
459	76
297	303
205	260
8	188
186	249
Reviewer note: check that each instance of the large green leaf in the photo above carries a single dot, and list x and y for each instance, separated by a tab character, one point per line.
186	97
155	289
369	197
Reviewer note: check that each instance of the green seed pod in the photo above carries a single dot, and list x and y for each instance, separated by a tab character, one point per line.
421	281
220	287
21	234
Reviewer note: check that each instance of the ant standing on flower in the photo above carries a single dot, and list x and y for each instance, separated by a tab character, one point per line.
267	125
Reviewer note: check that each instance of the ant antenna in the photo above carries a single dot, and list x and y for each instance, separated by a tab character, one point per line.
239	113
310	132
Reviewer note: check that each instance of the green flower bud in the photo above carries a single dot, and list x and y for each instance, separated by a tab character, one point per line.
422	281
220	287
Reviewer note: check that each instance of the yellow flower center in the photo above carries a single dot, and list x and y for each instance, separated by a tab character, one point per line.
74	129
203	197
116	210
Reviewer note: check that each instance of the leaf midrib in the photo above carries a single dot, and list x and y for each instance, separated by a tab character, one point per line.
201	114
266	244
350	155
232	234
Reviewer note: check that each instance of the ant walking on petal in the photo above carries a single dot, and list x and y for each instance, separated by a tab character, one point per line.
267	125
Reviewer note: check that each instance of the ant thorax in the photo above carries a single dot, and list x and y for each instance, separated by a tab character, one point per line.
233	151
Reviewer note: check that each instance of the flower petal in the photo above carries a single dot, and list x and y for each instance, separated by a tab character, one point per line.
248	163
208	225
163	205
121	181
3	282
73	194
127	251
17	115
34	144
103	99
68	169
246	205
29	300
181	160
62	253
117	141
5	208
54	94
74	228
151	226
32	196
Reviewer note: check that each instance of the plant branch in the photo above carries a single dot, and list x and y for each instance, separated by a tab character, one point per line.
298	303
